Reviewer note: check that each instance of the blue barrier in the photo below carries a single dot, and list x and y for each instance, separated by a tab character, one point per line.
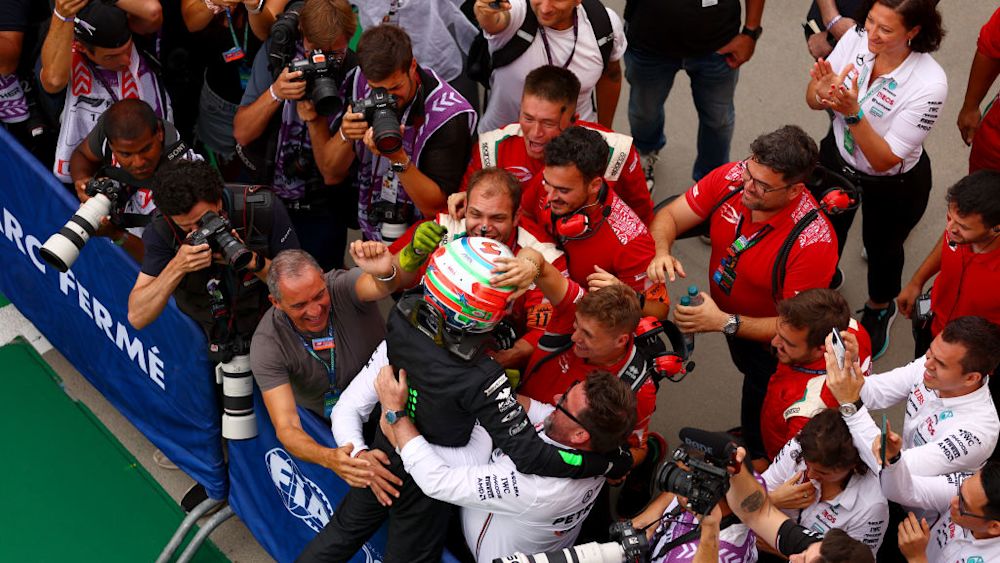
159	377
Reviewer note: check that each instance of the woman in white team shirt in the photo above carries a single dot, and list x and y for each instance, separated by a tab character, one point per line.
819	480
885	93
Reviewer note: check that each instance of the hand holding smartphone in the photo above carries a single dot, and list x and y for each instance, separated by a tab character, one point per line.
885	437
838	347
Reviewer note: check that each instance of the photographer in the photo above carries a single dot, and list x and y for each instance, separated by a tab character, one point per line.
128	144
409	131
225	300
279	117
90	46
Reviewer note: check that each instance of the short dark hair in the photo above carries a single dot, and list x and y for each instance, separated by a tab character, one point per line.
789	151
914	12
611	411
819	310
838	547
981	340
990	476
383	50
177	188
129	119
493	180
978	194
553	84
584	148
323	22
825	439
616	306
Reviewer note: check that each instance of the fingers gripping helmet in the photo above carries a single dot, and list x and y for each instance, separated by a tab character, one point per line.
457	284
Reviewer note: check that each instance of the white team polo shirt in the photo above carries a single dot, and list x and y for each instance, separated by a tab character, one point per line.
860	509
902	105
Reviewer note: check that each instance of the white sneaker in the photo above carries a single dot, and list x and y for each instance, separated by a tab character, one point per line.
648	162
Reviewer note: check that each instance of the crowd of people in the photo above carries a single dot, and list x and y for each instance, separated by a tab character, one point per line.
515	243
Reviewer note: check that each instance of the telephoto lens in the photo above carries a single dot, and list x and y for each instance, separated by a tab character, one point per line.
238	419
63	247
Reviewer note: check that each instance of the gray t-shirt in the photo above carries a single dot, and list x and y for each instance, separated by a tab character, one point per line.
277	355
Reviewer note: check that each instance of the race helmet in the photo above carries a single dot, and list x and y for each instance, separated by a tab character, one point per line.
457	284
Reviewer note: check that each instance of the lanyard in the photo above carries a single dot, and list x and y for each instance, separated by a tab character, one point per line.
801	369
545	42
725	275
332	394
237	52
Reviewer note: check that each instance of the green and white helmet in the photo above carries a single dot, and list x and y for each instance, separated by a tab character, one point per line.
457	283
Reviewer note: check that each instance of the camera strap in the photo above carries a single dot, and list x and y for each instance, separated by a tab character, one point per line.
691	535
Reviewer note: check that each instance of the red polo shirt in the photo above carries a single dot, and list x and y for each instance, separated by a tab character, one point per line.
986	143
796	393
544	380
811	261
967	285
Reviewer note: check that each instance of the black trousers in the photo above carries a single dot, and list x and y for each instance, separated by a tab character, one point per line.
757	364
892	206
418	524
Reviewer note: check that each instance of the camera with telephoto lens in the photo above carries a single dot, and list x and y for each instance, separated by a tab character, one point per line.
233	372
318	71
107	198
214	231
627	545
383	117
393	218
283	36
706	480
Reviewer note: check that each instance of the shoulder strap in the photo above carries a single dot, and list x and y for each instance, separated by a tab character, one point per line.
250	210
600	21
780	261
556	344
519	43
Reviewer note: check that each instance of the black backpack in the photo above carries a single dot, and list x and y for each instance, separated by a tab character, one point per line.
480	64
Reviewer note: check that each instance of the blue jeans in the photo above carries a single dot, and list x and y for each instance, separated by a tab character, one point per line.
713	84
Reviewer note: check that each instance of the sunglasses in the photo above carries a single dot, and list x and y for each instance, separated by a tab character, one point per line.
562	409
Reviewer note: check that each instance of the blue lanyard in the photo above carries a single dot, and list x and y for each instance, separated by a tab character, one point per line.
808	370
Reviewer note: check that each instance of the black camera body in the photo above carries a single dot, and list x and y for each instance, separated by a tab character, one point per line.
707	479
392	218
633	542
284	35
214	231
382	115
117	192
319	73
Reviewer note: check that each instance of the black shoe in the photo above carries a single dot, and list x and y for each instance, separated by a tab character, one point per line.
878	322
193	497
838	279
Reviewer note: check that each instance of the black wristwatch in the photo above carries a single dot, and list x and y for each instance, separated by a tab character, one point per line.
752	33
400	167
392	417
850	409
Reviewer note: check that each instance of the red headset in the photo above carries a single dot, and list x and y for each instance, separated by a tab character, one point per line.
837	193
670	364
576	225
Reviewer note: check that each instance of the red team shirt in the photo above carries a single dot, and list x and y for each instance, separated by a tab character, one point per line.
966	285
512	155
796	393
811	261
986	143
543	381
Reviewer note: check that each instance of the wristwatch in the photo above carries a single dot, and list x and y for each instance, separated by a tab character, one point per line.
752	33
400	167
392	417
854	119
732	325
850	409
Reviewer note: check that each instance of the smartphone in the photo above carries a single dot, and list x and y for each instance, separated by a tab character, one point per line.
885	436
838	347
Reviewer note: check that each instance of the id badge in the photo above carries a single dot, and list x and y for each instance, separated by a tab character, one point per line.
330	400
390	187
233	54
325	343
848	141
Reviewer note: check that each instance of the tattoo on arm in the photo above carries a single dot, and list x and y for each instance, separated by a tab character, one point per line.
754	502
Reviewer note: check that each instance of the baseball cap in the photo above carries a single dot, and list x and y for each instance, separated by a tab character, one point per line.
102	25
